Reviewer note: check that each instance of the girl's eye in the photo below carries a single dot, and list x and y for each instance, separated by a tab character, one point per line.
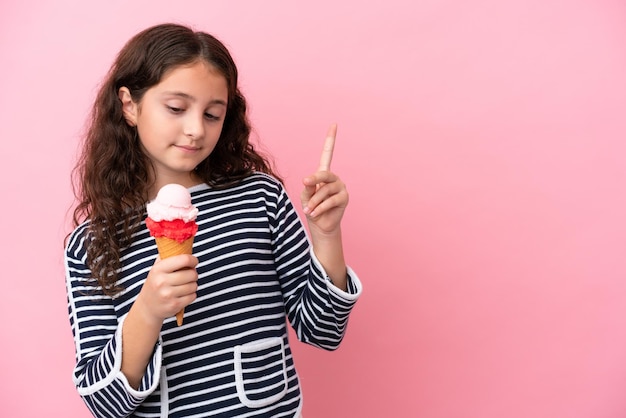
174	109
211	117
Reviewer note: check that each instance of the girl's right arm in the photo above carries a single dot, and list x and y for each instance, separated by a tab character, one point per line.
99	334
171	285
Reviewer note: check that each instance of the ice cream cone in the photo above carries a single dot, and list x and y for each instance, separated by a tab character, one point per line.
169	247
172	222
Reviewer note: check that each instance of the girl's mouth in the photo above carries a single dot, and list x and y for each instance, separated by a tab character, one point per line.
187	148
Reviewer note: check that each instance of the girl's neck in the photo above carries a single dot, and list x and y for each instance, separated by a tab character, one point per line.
186	181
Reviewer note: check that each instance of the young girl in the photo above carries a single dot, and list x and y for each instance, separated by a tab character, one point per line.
170	111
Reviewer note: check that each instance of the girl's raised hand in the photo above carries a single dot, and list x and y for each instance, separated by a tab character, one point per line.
325	197
170	286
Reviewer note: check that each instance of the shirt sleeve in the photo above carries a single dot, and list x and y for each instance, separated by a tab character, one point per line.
317	309
98	339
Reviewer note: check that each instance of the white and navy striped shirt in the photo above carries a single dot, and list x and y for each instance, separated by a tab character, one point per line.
231	357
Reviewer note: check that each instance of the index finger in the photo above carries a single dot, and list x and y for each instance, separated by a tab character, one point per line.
329	146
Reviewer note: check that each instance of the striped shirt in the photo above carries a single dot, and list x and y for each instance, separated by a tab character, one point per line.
231	357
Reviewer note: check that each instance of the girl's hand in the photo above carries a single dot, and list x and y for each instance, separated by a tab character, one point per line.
171	285
325	197
324	201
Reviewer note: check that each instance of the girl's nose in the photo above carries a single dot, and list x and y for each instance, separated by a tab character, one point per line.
194	126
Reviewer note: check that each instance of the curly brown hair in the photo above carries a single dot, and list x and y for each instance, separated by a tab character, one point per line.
112	177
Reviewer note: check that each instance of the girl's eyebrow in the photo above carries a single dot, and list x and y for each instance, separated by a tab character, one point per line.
191	98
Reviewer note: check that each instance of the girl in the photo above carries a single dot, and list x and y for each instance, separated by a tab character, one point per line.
170	111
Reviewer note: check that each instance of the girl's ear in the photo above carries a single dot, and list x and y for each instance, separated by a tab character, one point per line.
129	107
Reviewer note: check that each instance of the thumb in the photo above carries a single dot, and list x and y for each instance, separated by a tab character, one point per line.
306	194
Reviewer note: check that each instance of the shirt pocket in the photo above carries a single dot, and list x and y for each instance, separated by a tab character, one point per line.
261	372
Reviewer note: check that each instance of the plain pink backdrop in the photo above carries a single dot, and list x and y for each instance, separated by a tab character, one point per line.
483	144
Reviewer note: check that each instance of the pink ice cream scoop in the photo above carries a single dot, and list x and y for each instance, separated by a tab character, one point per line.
171	214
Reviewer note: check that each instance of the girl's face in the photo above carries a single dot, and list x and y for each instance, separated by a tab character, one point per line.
179	121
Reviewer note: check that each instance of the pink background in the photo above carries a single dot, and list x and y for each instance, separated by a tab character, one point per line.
483	144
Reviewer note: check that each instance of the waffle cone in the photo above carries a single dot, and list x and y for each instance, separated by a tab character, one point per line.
169	247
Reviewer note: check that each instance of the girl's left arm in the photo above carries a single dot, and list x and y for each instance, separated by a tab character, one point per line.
324	201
